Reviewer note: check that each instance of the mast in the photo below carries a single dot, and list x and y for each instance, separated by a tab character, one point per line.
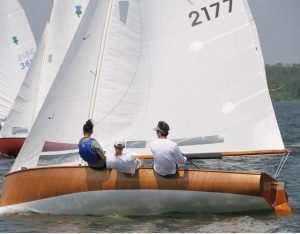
100	60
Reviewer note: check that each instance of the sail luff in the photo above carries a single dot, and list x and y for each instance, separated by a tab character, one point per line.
42	68
35	104
100	60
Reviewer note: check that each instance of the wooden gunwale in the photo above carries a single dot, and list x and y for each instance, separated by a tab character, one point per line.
143	168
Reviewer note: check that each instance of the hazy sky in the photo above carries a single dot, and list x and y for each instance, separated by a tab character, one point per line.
278	23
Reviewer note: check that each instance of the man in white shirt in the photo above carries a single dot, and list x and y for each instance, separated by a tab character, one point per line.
122	162
166	152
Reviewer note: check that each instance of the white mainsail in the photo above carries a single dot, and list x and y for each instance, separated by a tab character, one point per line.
195	64
65	18
17	50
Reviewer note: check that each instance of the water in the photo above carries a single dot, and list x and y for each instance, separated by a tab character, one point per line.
288	116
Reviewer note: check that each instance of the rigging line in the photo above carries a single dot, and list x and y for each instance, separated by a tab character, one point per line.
282	163
130	85
285	160
100	58
189	160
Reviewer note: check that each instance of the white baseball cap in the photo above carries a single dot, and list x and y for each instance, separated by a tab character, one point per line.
119	143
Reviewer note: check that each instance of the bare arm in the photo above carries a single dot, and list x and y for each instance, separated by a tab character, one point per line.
99	150
179	158
101	155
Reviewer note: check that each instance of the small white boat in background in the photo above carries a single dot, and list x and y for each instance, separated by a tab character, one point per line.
56	39
195	64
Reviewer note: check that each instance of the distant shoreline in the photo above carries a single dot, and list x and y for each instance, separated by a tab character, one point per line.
286	101
284	82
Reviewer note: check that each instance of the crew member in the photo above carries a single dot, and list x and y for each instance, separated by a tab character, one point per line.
166	152
90	150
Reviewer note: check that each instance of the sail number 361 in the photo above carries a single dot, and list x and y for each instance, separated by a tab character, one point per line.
196	15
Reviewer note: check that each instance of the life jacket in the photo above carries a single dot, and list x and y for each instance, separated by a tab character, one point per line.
86	152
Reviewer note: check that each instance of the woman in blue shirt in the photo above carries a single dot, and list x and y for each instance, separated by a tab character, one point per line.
90	150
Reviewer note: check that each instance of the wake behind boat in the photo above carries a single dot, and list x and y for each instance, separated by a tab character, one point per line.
132	63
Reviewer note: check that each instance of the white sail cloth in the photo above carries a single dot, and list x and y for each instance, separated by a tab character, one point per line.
65	18
195	64
17	50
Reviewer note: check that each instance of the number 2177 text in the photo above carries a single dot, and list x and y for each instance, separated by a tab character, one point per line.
198	16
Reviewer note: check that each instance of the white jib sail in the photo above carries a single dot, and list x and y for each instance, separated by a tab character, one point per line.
195	64
64	21
17	50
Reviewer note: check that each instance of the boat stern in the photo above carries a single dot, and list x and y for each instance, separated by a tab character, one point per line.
274	193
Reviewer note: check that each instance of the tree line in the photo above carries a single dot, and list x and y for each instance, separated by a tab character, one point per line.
284	81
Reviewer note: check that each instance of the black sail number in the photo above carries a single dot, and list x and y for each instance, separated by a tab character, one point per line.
207	12
196	20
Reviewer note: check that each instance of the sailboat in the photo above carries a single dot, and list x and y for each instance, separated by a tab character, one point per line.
197	65
17	50
57	36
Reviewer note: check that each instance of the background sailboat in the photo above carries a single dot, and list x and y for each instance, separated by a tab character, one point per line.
65	18
132	63
17	50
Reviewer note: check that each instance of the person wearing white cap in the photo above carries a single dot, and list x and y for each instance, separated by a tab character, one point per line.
166	152
122	162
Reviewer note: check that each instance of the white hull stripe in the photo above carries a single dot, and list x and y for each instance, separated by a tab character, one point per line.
141	202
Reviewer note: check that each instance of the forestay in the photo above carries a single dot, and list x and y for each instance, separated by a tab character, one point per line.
195	64
17	50
64	21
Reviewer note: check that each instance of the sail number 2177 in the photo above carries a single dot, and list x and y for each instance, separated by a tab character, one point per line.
208	12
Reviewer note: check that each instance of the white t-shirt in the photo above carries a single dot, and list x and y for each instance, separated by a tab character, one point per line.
125	163
166	155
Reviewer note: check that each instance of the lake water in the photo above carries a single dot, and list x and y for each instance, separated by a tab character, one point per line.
288	116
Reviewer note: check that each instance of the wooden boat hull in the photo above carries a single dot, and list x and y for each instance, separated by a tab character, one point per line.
11	146
81	190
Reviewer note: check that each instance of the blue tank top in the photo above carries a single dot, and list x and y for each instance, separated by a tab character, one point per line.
86	152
